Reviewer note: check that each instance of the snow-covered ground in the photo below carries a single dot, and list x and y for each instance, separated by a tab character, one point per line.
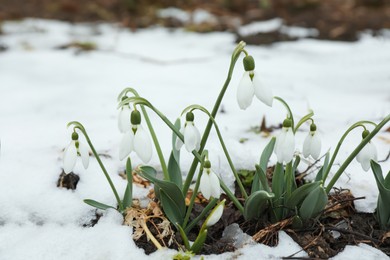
42	88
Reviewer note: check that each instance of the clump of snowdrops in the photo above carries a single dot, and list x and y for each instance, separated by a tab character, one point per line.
282	199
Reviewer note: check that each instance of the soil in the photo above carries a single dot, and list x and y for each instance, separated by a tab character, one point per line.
333	19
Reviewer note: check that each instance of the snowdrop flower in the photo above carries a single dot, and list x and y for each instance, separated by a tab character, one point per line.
250	85
209	182
367	154
136	139
216	214
124	119
312	143
70	155
285	143
191	135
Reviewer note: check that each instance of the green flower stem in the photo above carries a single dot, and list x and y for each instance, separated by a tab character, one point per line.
356	151
201	215
79	126
290	115
231	196
193	107
151	130
303	120
236	53
357	124
194	194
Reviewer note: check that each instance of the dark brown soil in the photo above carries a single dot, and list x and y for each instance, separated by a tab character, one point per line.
68	181
334	19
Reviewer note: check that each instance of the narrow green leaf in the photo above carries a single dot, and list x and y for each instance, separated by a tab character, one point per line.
383	209
174	170
256	204
97	204
278	181
386	183
199	241
128	197
184	237
300	194
263	179
320	174
264	158
314	203
171	208
323	169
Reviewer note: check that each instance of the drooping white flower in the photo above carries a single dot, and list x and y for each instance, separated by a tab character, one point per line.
285	143
136	139
367	154
191	135
215	214
74	149
209	183
312	144
124	119
251	85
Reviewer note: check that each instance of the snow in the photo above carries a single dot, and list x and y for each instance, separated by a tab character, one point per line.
43	88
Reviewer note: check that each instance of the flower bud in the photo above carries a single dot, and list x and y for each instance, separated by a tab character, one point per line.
313	127
135	117
249	63
287	122
190	117
75	136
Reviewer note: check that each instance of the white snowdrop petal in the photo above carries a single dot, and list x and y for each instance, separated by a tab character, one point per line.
204	185
84	153
373	151
279	146
306	146
126	144
143	145
197	138
245	91
263	93
190	137
315	146
215	187
289	146
215	215
366	165
70	157
124	123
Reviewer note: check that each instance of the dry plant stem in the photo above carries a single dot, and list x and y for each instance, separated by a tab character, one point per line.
150	235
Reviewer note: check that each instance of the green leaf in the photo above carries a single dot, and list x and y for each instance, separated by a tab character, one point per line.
256	204
323	169
386	183
264	158
183	236
174	170
278	181
171	208
199	241
128	197
98	205
314	203
263	179
300	194
383	209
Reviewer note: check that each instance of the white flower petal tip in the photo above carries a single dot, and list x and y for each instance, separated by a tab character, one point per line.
84	153
216	214
285	145
179	143
191	137
209	184
70	157
142	145
126	144
367	154
263	93
312	145
124	123
245	92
